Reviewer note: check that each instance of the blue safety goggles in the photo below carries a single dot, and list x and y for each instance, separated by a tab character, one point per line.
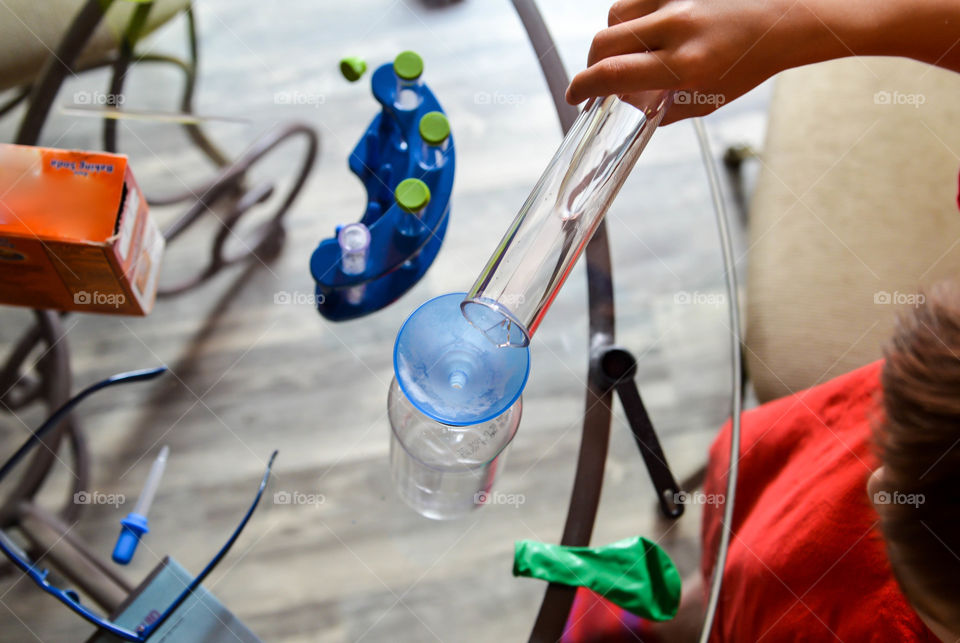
70	597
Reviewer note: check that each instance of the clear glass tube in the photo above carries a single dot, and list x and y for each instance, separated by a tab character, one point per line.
444	471
512	294
433	156
408	93
411	222
152	482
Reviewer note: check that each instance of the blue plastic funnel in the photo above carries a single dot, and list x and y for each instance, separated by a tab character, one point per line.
450	371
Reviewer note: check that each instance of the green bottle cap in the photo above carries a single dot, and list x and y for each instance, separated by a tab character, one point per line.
412	195
352	68
408	65
434	128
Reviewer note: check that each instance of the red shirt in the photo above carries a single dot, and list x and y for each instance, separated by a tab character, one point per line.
806	560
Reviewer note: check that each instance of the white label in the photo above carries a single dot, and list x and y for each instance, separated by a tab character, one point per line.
127	222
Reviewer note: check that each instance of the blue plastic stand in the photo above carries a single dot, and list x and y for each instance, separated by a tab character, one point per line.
387	153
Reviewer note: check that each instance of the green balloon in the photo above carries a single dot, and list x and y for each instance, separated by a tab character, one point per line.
634	573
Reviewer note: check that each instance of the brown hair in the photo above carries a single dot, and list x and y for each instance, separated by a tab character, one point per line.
919	442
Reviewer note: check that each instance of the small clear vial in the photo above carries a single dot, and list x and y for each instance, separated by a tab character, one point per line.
434	139
413	196
354	240
408	68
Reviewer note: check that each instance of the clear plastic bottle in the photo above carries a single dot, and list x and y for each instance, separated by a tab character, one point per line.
444	471
510	298
454	406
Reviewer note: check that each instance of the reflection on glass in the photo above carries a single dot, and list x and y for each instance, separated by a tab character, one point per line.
521	279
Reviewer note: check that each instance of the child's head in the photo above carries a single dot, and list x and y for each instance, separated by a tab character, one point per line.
917	490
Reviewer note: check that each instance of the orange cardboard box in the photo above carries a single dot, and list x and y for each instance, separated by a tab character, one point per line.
75	233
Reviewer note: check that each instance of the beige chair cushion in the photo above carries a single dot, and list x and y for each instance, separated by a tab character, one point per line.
30	30
855	207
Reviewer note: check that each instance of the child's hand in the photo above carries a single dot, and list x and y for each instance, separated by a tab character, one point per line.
715	50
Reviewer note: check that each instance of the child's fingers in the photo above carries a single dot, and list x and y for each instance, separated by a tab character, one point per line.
625	38
625	10
622	75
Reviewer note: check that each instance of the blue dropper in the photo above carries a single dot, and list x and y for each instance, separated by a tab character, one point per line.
135	524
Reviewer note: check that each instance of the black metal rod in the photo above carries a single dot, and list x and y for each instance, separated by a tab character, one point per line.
668	491
56	382
618	369
120	67
56	69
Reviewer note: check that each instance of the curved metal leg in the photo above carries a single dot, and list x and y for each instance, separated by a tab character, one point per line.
195	132
52	383
121	65
228	185
225	184
18	389
53	539
18	98
56	69
54	380
588	480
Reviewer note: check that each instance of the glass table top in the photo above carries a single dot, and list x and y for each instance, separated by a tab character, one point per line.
253	371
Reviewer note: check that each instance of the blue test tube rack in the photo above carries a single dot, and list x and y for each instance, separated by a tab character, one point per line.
389	151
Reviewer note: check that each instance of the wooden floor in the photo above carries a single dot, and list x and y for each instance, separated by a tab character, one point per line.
249	375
